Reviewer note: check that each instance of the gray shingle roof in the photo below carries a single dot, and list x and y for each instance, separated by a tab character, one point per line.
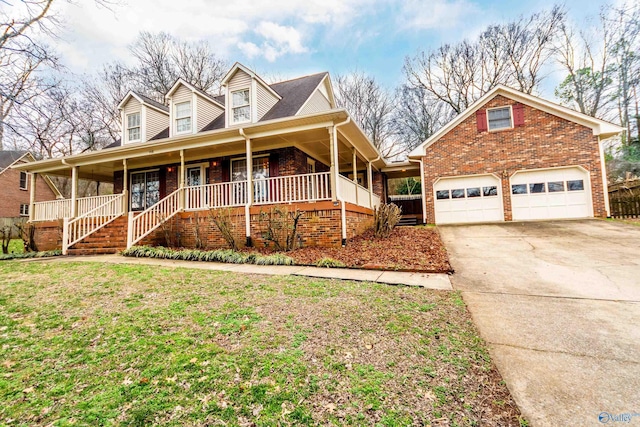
153	102
7	157
294	93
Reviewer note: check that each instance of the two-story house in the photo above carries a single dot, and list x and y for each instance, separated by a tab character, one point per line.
510	156
16	186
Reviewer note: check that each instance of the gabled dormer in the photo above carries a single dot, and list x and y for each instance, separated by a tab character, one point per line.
321	98
191	109
142	118
248	98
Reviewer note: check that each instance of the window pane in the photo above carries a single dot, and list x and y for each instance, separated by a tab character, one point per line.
442	194
240	98
576	185
133	120
536	188
473	192
499	118
239	170
457	194
490	191
554	187
260	167
519	189
183	125
242	114
23	180
134	134
183	110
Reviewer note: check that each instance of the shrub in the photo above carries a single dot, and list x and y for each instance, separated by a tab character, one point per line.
385	218
330	263
219	255
223	219
42	254
27	233
281	227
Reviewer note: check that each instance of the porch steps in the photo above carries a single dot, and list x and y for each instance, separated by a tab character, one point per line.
110	239
408	221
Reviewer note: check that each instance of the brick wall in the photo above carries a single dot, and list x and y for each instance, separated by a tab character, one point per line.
545	141
13	196
48	235
319	226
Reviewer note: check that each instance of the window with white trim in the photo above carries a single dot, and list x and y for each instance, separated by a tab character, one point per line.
183	117
499	118
24	209
23	180
240	106
133	127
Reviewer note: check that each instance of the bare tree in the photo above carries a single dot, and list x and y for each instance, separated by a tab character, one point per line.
370	106
418	116
513	54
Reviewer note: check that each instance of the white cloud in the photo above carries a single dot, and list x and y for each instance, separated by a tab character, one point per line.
436	14
250	50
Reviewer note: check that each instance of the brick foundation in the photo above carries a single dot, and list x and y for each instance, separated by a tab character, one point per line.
48	235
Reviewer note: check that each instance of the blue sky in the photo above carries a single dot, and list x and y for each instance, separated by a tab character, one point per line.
287	38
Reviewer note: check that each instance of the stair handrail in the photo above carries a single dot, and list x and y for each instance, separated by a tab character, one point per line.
80	227
142	224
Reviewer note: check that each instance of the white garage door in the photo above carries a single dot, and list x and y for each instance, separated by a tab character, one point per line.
475	198
551	194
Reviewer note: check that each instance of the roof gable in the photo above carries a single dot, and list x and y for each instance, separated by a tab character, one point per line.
197	91
9	157
294	95
599	127
143	100
238	66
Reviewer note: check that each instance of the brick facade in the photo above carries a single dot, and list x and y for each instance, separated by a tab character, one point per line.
544	141
13	196
48	235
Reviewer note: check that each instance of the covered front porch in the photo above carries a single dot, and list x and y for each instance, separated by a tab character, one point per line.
316	161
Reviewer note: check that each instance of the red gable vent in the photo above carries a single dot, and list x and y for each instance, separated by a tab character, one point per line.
518	115
481	120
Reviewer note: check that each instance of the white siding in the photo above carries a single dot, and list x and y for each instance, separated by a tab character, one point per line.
207	111
182	94
239	81
266	100
317	103
156	122
132	106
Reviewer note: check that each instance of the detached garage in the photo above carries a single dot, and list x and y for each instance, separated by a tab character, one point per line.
512	156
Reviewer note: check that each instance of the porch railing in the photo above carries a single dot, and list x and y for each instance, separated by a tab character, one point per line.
52	210
148	220
352	192
226	194
292	188
78	228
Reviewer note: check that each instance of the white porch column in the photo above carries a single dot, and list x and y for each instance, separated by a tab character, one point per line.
370	183
333	153
354	164
74	191
32	195
247	208
125	187
181	174
424	192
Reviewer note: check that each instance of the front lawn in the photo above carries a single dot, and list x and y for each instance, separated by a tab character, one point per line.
94	344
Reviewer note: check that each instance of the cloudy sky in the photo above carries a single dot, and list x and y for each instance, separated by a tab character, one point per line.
289	38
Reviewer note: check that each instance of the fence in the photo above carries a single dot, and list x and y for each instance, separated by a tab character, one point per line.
627	206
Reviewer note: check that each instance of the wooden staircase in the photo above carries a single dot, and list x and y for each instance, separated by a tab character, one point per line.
408	221
109	239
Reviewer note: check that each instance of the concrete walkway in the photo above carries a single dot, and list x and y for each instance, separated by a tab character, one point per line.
425	280
559	305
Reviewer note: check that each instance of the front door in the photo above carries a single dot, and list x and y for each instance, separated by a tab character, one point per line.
194	176
145	189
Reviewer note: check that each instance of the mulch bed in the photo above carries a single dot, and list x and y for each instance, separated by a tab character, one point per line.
406	249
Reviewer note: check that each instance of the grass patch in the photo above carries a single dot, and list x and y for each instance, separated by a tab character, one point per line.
329	263
16	246
96	344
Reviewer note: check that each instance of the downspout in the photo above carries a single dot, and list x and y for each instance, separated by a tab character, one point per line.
423	190
247	206
343	212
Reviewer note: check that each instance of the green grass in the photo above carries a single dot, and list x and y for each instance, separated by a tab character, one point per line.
16	246
93	344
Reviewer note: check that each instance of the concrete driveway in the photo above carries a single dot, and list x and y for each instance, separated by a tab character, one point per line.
559	304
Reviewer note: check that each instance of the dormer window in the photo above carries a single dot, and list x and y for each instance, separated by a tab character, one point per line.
133	127
240	106
183	117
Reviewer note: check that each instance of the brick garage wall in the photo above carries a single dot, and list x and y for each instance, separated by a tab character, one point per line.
48	235
13	196
319	226
545	141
